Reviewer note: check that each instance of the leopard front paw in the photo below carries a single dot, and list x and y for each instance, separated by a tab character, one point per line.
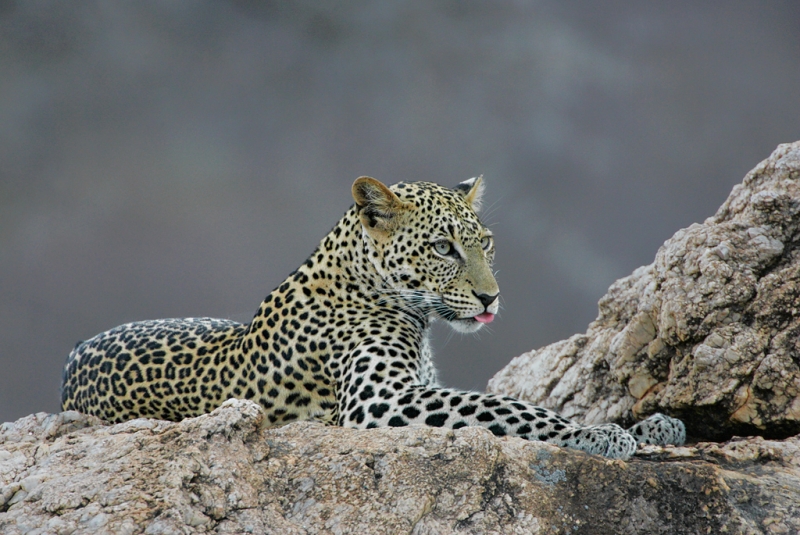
660	430
608	440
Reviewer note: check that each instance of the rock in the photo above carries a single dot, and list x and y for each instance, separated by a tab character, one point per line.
223	473
709	332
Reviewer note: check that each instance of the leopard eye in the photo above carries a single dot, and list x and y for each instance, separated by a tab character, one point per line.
486	243
443	247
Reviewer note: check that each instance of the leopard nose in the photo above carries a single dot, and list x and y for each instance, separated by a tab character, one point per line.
485	299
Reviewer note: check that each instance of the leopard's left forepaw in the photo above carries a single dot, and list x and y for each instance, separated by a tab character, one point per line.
660	430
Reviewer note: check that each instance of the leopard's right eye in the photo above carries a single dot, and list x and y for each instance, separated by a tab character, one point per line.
443	247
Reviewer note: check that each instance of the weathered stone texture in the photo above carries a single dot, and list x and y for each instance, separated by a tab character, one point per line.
221	473
709	332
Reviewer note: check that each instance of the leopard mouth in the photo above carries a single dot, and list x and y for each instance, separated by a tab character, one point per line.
463	324
484	317
471	324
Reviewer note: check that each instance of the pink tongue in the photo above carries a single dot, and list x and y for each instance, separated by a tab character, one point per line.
485	317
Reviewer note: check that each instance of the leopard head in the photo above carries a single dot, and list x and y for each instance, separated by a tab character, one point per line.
430	248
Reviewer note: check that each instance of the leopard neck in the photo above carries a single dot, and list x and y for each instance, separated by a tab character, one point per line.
339	271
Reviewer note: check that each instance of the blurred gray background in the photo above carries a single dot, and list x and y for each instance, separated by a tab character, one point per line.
163	159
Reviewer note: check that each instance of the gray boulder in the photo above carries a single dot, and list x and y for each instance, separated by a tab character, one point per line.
709	332
221	473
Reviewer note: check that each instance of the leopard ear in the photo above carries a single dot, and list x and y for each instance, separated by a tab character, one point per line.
378	206
472	190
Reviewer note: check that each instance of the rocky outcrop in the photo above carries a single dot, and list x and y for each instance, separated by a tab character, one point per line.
221	473
709	332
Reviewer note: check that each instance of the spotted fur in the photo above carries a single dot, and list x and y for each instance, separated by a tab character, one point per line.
344	339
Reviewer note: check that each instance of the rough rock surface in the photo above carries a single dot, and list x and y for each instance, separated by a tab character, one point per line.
709	332
222	473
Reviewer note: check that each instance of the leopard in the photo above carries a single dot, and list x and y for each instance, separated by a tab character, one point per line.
345	338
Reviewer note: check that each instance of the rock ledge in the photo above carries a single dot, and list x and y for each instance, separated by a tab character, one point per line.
221	473
709	332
